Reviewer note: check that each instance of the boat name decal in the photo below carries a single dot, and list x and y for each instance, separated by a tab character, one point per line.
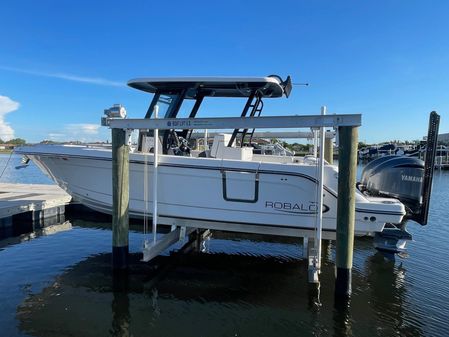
310	207
411	178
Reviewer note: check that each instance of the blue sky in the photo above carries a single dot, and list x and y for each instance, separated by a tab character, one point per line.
63	62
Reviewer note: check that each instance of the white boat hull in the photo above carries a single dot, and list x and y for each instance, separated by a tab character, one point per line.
212	190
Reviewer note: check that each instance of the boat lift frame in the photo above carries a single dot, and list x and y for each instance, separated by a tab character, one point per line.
348	122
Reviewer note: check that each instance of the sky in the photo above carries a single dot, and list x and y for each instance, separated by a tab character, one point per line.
63	62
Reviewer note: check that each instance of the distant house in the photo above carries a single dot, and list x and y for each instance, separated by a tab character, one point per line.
7	146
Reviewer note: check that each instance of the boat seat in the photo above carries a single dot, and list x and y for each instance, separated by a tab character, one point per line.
220	149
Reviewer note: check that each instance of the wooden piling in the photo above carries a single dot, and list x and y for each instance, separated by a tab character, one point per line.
120	199
347	172
329	150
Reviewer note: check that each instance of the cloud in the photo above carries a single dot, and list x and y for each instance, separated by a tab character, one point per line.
55	136
83	132
7	105
87	129
68	77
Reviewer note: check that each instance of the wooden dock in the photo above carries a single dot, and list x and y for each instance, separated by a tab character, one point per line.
33	200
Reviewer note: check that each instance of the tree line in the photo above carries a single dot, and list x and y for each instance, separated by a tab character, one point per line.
15	141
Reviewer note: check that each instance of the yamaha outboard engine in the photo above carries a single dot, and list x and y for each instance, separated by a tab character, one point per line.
397	177
407	179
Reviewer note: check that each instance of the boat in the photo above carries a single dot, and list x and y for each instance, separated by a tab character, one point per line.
230	184
375	151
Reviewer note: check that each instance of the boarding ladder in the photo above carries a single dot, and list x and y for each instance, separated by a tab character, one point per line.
255	106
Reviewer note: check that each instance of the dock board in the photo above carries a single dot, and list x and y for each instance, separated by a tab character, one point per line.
21	198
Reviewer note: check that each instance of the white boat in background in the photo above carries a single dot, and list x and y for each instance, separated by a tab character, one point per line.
228	184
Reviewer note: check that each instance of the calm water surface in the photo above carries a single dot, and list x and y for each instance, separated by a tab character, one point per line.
56	281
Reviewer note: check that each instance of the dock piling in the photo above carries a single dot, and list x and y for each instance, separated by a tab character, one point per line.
120	199
347	172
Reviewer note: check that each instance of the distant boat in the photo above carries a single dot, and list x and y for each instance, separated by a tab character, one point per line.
375	151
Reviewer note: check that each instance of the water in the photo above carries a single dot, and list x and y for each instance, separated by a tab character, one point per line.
58	283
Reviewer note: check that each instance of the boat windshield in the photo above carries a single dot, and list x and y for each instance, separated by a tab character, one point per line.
168	104
171	101
165	103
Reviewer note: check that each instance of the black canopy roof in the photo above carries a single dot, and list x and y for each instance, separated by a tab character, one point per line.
270	86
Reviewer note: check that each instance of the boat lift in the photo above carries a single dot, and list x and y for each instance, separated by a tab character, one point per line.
347	125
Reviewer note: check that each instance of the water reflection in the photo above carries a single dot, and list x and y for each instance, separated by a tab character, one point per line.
209	295
195	289
25	231
388	296
120	305
239	286
342	317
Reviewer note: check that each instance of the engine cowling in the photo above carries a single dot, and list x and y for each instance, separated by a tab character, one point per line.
397	177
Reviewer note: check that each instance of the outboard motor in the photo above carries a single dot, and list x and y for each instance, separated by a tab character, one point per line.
397	177
407	179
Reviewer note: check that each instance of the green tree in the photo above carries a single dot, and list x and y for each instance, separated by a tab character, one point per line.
17	141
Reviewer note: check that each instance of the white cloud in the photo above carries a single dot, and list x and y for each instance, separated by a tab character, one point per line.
87	129
7	105
55	136
83	132
91	80
68	77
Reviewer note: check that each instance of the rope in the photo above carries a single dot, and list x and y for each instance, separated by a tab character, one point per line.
6	165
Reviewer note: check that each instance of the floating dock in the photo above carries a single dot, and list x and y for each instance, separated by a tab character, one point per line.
31	202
